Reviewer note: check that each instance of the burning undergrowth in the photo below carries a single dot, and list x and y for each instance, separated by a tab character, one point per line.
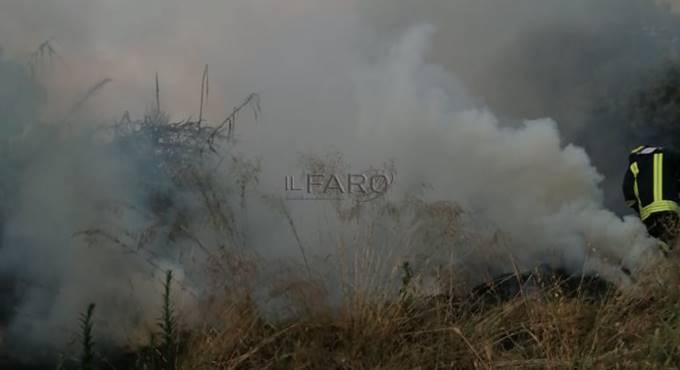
102	214
99	213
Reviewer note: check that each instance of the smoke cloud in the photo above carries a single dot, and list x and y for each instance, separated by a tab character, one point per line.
488	106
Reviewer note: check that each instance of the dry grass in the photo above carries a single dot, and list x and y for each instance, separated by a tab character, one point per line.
639	328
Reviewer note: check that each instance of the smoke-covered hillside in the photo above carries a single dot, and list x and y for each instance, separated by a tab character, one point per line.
503	129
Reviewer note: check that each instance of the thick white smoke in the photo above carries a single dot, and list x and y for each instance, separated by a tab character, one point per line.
329	82
522	180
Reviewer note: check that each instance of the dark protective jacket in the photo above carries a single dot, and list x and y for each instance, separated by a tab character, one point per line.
651	182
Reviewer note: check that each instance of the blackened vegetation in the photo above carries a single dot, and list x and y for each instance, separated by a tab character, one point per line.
176	158
542	279
179	160
172	148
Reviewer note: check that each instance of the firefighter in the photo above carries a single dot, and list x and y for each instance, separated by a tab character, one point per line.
650	187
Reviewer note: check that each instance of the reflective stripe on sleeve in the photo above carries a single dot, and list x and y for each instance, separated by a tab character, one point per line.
660	206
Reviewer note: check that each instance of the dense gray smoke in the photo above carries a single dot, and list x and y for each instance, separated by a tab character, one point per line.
579	62
480	104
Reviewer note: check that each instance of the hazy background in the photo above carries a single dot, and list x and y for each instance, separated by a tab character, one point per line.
524	60
506	108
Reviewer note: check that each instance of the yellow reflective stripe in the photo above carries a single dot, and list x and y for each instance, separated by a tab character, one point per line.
658	177
660	206
655	179
637	149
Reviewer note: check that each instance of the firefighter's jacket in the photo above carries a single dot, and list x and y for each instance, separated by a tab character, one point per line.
651	182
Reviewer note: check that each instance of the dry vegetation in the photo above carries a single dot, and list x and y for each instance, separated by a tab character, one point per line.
364	325
368	324
374	327
546	329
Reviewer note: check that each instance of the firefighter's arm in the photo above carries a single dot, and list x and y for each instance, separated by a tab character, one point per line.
628	192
